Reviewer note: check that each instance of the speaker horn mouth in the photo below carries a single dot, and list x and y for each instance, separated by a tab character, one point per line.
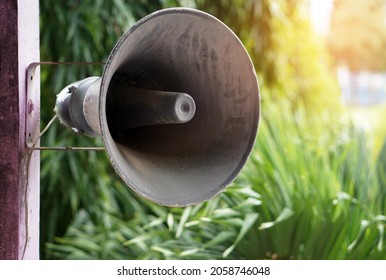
188	51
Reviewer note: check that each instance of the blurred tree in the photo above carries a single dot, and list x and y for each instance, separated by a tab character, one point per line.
358	34
290	60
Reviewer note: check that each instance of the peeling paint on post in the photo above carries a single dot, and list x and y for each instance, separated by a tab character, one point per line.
19	168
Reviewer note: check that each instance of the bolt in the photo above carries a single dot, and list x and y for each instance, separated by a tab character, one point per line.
30	106
72	89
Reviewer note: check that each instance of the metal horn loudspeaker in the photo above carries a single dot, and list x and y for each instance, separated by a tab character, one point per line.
177	106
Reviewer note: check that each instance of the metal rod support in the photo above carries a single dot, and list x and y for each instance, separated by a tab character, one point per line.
69	148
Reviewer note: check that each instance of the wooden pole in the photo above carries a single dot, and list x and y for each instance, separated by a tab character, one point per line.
19	167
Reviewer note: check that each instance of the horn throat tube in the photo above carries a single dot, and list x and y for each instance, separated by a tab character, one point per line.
127	107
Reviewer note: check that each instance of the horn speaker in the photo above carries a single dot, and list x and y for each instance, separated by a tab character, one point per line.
177	106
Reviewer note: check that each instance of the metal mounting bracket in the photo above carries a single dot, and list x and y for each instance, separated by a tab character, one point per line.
32	112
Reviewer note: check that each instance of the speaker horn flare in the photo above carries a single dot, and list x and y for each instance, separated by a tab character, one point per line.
177	106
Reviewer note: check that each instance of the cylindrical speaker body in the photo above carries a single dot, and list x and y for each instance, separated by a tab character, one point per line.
77	106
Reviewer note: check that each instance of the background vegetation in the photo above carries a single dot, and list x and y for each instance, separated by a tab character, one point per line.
313	187
365	19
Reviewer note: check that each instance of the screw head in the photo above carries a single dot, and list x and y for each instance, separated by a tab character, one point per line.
30	106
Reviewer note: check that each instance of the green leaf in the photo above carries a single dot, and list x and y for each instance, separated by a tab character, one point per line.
164	251
220	239
284	215
189	252
249	221
184	218
364	225
138	239
381	229
170	221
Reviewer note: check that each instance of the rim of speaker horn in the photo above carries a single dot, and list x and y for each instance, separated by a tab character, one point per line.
115	61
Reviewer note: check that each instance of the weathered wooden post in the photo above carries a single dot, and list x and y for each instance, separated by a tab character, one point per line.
19	167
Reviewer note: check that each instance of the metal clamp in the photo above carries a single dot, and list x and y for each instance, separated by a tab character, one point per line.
32	117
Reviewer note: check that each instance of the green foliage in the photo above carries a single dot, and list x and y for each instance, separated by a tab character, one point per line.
207	231
304	194
318	187
358	34
308	191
